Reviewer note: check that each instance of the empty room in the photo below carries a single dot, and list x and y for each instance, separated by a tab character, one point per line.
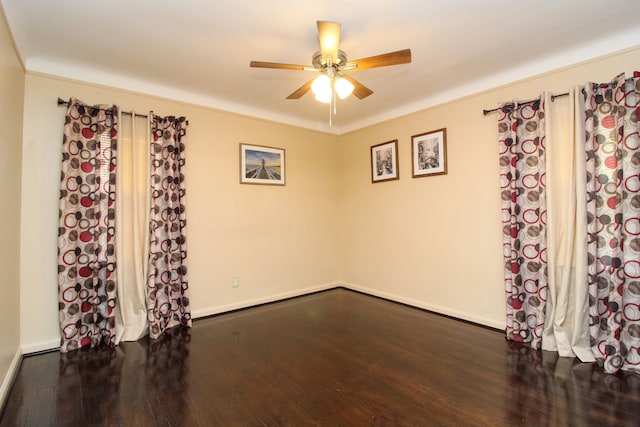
333	213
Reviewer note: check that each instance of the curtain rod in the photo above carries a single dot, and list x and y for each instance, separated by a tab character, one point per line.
553	97
129	113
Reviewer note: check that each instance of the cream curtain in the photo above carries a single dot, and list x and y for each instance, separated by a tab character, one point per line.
132	229
567	318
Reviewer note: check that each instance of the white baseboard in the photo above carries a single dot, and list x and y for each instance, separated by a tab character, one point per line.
55	344
41	346
7	382
263	300
420	304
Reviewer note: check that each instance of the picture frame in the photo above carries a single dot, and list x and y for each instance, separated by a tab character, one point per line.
262	165
429	153
384	162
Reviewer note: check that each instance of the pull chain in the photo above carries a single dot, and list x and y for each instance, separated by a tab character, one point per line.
332	104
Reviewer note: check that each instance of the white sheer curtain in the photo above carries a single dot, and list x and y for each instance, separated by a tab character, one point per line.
567	318
132	230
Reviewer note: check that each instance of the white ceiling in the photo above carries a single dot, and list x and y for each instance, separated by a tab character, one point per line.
198	51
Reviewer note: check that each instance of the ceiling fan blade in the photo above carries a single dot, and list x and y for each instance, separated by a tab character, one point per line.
329	39
359	90
391	58
261	64
301	90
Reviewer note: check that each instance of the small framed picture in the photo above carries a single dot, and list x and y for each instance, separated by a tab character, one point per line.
429	153
384	161
261	165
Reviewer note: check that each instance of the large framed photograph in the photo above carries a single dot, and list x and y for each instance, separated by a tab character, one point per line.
261	165
429	153
384	161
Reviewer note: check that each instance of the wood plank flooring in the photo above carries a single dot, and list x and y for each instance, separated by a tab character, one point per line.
336	358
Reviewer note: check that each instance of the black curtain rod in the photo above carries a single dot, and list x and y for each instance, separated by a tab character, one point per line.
128	113
553	97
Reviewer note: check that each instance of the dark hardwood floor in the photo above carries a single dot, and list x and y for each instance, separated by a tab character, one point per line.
336	358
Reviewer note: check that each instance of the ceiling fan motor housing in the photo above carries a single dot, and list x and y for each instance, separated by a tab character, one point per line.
319	62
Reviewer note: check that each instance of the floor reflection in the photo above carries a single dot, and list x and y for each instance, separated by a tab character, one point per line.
109	383
546	389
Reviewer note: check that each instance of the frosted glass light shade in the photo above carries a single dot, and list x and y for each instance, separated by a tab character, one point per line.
343	87
324	97
321	84
321	87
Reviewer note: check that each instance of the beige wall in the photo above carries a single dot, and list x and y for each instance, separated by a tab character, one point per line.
279	241
435	242
11	104
432	242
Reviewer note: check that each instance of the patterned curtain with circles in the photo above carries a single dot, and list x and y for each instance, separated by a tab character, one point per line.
522	180
167	285
613	221
86	236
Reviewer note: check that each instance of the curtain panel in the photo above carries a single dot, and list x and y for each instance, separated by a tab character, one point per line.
567	313
132	232
167	285
522	180
86	232
613	221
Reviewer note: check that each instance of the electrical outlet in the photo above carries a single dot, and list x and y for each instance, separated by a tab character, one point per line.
235	282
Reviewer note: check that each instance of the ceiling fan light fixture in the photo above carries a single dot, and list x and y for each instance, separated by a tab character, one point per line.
330	62
343	87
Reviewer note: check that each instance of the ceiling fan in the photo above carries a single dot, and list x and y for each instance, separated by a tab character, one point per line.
331	63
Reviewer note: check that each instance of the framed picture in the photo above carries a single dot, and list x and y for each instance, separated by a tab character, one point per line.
429	153
384	161
261	165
